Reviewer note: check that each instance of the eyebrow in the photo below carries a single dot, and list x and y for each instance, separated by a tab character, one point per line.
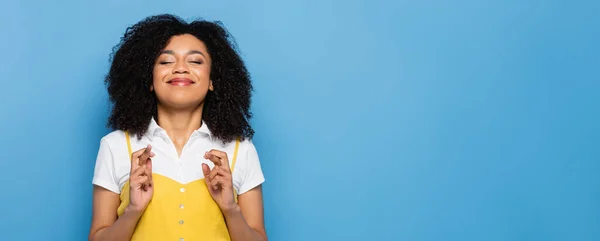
190	52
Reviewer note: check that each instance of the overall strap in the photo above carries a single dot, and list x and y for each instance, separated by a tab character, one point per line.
128	144
235	153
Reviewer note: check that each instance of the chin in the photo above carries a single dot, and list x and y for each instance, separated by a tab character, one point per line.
181	104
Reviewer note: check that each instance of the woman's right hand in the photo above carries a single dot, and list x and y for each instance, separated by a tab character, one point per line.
141	187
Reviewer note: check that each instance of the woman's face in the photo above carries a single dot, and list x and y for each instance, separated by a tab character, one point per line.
181	75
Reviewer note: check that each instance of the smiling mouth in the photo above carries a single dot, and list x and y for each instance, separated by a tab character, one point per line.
180	82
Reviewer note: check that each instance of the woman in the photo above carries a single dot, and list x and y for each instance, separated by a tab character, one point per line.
180	164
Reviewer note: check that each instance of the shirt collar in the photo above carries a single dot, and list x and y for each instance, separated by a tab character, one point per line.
155	130
204	129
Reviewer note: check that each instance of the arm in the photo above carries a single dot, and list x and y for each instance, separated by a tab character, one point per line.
105	224
246	221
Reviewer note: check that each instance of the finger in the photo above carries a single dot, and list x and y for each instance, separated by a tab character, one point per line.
146	180
137	155
134	158
218	171
206	171
215	159
220	182
145	155
148	170
138	172
220	156
217	182
144	183
209	185
214	172
141	181
136	177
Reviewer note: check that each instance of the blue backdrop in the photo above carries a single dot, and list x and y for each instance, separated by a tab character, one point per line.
375	120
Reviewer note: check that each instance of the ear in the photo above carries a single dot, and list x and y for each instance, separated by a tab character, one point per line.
210	86
151	88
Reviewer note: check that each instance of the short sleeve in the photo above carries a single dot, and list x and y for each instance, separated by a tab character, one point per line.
251	172
104	171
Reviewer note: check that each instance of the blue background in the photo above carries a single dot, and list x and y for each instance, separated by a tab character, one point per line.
375	120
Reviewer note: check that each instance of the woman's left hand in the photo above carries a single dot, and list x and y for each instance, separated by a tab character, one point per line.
219	180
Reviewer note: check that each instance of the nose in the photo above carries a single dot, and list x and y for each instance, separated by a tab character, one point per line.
181	68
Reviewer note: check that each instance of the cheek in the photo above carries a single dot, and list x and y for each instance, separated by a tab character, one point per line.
158	74
202	72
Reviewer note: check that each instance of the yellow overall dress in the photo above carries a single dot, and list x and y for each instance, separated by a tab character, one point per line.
179	212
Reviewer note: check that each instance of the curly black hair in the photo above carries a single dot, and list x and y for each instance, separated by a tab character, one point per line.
226	108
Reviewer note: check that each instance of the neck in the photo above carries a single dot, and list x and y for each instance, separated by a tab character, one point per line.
179	124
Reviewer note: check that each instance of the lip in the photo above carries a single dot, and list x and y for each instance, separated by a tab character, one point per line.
180	82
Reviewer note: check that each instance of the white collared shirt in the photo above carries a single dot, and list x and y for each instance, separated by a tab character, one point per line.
113	161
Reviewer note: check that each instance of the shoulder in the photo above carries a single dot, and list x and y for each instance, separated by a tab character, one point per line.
118	138
246	154
240	147
245	149
114	136
114	142
248	147
245	144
